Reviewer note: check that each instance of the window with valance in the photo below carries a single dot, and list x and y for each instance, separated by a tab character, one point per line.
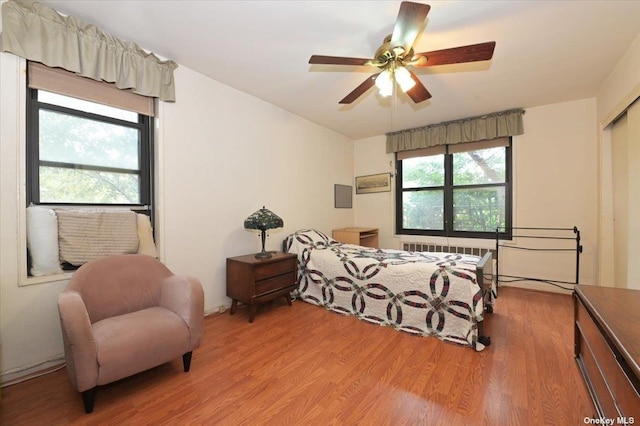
454	179
89	126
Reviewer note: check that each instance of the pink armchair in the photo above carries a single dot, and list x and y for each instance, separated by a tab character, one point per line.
121	315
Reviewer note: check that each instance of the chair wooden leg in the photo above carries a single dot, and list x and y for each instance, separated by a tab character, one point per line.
186	361
88	398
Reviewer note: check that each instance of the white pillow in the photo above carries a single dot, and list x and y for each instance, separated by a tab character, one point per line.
42	241
145	235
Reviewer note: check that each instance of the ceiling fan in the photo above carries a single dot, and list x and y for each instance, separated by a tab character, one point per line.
396	54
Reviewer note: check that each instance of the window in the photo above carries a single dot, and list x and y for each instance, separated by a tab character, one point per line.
87	153
88	144
461	190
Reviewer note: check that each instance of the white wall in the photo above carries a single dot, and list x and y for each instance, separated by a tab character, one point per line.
226	154
621	87
556	181
377	209
555	185
29	325
222	154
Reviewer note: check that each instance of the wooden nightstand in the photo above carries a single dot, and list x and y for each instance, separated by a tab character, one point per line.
254	281
367	237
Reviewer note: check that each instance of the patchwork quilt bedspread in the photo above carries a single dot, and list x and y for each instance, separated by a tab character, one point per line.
430	294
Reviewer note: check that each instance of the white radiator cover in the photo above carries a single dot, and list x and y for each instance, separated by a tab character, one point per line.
440	248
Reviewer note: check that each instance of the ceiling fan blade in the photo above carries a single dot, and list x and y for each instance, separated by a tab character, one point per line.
418	92
337	60
408	24
358	91
457	55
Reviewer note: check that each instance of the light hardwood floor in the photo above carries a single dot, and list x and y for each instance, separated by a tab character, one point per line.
303	365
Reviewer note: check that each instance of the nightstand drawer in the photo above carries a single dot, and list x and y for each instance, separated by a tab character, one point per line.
275	268
275	283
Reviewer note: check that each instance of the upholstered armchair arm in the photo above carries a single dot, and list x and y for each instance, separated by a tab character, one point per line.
79	345
184	296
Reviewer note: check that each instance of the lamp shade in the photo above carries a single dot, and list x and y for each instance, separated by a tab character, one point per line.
403	78
263	219
384	82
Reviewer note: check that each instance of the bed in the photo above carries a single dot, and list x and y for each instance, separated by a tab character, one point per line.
430	294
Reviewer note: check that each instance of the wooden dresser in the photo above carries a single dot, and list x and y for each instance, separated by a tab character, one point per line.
607	349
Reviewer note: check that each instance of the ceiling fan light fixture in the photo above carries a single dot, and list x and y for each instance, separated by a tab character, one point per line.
397	52
404	80
386	92
384	82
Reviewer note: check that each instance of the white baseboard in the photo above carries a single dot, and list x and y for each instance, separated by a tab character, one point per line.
23	373
540	287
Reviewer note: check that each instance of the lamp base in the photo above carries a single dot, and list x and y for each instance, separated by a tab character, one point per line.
264	255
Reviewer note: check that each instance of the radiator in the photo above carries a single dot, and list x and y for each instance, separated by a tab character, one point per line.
439	248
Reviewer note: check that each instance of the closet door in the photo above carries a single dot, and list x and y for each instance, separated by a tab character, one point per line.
620	195
625	157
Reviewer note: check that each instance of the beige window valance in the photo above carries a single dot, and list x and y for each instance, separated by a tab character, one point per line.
491	126
38	33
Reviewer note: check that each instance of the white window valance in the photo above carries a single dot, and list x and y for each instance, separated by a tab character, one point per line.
38	33
491	126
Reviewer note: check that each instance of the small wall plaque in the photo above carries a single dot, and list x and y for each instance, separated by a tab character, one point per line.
342	196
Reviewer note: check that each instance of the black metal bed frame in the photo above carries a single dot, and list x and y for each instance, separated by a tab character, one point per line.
557	283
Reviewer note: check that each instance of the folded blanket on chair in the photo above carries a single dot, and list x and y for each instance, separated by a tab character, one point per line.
85	235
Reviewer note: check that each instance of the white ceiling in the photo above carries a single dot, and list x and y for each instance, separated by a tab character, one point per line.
546	52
